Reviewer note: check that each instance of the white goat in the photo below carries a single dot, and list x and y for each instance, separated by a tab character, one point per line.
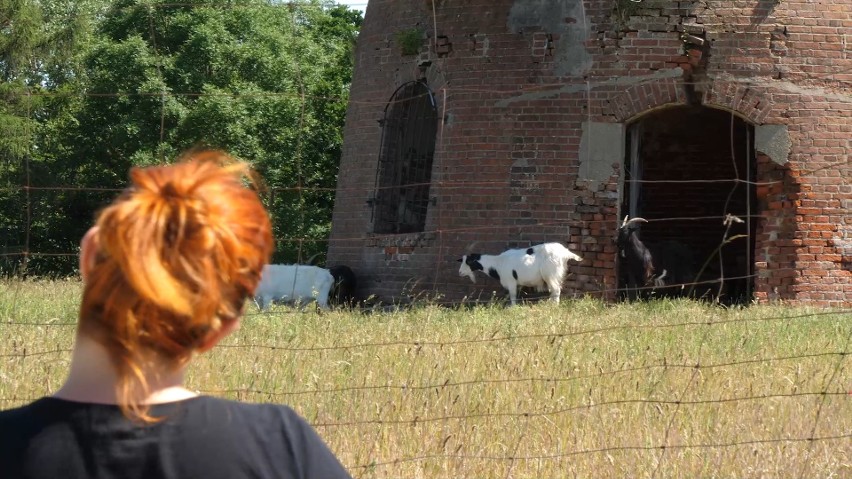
293	282
542	266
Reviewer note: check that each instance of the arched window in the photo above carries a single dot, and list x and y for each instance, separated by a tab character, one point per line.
409	129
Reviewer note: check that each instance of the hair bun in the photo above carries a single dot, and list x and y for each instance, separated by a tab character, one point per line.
182	249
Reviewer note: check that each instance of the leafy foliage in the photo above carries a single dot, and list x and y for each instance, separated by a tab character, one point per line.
41	50
410	41
265	81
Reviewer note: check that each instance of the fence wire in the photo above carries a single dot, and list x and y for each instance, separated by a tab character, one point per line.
384	395
671	386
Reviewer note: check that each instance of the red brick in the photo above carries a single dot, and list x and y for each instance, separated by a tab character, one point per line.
801	209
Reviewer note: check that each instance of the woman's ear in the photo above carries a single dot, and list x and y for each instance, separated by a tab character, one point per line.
213	339
88	251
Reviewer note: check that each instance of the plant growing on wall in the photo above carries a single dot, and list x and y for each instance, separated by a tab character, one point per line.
410	41
624	9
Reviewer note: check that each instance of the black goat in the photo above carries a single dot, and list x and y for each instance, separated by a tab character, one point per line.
654	269
345	285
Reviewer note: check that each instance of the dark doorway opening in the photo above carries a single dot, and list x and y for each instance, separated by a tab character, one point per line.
686	169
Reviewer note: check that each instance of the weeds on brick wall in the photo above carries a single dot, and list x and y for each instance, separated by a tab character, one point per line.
624	9
410	41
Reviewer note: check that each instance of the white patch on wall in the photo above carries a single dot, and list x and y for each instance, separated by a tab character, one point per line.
601	145
774	141
842	240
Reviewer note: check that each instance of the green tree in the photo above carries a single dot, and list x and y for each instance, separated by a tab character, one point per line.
264	80
40	51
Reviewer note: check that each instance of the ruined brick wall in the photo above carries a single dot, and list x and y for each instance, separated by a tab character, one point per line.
518	83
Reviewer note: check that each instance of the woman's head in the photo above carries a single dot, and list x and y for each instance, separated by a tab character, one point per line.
170	263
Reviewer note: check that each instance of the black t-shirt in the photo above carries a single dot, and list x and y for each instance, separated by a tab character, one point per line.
201	437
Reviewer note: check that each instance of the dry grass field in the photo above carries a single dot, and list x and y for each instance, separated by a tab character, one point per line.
662	389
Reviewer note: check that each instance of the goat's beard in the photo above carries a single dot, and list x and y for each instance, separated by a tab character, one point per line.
470	275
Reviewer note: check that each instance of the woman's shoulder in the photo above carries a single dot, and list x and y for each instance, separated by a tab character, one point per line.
281	430
268	411
257	433
210	407
202	408
27	415
20	424
266	420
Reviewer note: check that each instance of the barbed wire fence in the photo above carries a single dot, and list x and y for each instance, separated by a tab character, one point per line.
543	415
823	394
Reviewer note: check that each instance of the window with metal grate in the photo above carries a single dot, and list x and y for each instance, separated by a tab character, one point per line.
409	129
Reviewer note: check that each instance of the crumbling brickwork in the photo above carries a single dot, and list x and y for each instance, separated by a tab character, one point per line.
516	81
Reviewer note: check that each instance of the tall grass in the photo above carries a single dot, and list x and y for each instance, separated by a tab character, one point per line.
584	389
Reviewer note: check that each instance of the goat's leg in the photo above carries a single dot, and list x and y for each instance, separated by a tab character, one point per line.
512	288
636	289
629	290
555	288
322	299
554	296
513	296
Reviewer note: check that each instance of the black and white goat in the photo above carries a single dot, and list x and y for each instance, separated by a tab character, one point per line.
542	266
663	268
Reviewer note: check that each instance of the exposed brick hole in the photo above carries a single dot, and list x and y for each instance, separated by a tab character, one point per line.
443	47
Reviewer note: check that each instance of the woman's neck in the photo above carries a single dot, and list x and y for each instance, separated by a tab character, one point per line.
93	378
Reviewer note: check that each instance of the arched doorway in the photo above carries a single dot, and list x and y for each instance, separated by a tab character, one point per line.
686	169
409	130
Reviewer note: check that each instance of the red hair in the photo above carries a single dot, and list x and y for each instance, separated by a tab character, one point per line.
178	254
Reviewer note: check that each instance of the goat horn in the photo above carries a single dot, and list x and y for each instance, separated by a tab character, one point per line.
470	247
634	220
310	260
624	223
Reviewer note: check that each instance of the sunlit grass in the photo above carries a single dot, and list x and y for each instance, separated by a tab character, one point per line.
583	389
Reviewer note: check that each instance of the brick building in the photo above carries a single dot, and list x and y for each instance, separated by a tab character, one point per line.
505	123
